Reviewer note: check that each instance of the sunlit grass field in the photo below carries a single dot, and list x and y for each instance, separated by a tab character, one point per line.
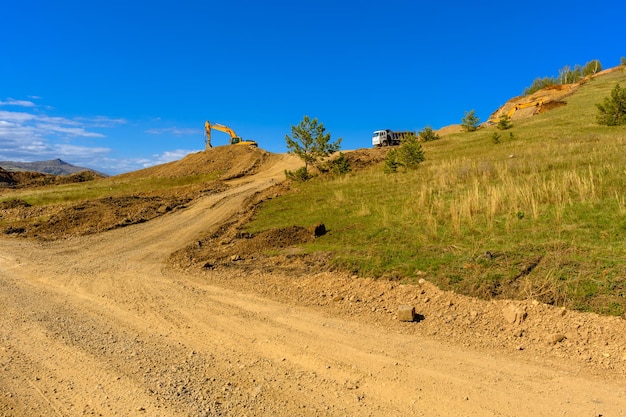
540	215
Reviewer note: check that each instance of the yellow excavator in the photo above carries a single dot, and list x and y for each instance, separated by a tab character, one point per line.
536	103
234	139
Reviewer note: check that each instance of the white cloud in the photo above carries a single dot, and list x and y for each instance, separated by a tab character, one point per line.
71	131
14	134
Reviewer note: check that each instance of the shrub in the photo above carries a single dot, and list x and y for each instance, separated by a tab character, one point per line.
428	134
301	174
411	152
612	111
538	84
339	165
392	162
504	122
409	155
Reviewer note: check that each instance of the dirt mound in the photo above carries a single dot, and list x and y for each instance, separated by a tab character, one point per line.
5	178
228	247
551	105
82	176
86	218
226	162
359	159
25	179
13	204
106	214
448	130
274	239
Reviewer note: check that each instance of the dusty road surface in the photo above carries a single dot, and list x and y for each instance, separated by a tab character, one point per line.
100	325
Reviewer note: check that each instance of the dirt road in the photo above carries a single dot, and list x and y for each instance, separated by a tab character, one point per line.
99	325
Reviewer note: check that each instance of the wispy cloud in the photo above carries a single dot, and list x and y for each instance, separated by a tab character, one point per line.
16	117
175	131
20	103
119	165
167	156
101	121
70	131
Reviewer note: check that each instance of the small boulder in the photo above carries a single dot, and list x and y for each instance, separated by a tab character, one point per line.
513	314
553	339
406	313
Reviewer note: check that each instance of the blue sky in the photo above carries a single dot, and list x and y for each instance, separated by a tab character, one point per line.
120	85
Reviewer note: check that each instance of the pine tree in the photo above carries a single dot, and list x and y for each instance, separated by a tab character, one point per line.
470	122
310	142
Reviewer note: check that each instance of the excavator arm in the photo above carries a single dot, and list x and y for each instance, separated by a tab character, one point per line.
207	134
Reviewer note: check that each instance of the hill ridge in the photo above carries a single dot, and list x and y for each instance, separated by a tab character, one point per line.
52	166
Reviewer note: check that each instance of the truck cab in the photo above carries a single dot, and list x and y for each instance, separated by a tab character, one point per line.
382	138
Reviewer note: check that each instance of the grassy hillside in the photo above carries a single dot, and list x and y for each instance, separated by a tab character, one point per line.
540	215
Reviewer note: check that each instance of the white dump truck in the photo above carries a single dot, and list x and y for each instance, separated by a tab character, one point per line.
388	137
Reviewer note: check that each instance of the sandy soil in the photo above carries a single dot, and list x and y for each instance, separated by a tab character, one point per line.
112	323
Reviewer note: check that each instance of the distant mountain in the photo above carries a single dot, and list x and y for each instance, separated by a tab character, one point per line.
53	167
